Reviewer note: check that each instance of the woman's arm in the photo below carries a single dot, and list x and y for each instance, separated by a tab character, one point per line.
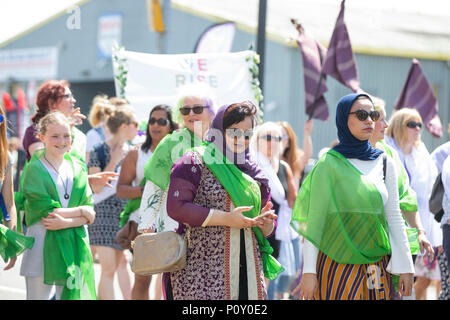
292	192
127	175
8	195
401	261
184	181
57	222
413	220
307	145
77	212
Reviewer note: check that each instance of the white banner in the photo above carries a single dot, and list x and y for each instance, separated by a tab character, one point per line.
29	64
151	79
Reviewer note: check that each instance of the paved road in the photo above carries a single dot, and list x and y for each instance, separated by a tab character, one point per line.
12	285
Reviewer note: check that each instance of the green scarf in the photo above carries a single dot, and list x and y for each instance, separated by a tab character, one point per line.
243	191
78	151
12	243
169	150
341	212
407	196
67	256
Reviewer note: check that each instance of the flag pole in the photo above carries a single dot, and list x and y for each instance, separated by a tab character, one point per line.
261	40
300	29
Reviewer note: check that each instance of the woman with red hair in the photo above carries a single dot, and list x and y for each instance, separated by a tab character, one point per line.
55	95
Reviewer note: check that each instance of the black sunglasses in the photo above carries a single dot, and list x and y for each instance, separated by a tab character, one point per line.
269	138
197	110
238	133
161	121
413	124
363	114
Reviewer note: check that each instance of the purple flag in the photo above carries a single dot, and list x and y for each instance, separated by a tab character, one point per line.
417	94
217	38
312	54
340	60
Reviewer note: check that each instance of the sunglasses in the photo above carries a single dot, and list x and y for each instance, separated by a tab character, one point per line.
197	110
363	114
269	138
413	124
238	133
161	121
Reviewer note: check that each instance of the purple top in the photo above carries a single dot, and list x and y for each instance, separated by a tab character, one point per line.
184	182
29	138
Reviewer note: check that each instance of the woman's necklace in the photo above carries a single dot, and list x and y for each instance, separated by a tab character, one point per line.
66	195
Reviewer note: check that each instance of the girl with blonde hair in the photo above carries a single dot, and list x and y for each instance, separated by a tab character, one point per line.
58	203
100	111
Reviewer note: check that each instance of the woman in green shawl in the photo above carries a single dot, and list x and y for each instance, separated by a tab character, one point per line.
217	194
58	203
348	212
194	111
418	240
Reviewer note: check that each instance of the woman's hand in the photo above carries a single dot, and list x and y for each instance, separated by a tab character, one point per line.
265	220
77	116
307	287
102	179
55	221
87	213
308	127
236	219
11	263
425	245
405	284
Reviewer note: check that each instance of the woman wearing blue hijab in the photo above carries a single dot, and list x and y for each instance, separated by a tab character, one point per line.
348	212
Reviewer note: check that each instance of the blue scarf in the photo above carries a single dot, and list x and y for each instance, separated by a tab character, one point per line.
349	146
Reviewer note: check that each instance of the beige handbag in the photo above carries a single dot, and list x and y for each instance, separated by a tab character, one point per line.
161	252
158	252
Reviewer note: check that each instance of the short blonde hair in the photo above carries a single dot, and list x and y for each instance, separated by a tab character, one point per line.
397	125
101	109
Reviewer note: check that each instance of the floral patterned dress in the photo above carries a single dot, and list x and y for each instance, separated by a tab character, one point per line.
215	254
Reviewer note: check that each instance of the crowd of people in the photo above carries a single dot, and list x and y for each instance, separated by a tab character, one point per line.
258	224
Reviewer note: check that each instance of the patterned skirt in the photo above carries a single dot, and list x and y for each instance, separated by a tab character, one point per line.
352	281
102	232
